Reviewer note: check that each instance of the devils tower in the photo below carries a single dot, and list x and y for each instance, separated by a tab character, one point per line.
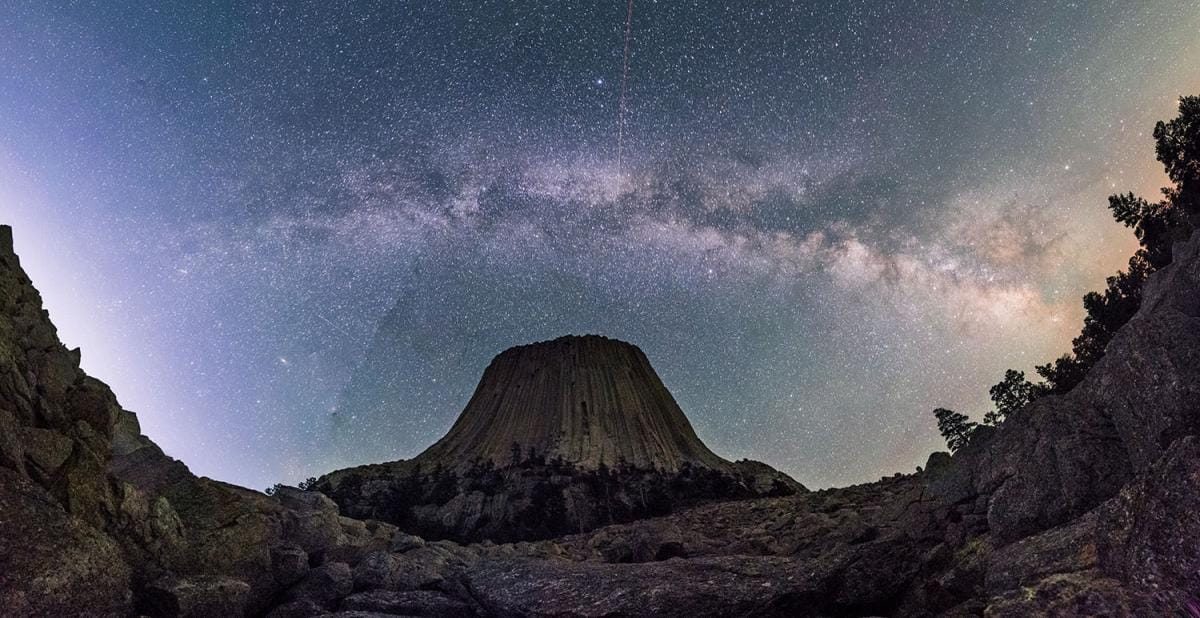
586	400
568	434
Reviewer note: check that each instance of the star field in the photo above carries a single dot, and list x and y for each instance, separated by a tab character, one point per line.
829	219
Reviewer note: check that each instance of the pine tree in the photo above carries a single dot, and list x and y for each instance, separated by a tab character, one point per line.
956	428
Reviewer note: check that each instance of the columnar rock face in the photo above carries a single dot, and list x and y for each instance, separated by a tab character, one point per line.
587	400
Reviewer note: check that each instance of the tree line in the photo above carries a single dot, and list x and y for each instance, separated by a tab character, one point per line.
1157	226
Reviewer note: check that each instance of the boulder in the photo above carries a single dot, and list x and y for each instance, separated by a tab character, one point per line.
410	603
401	543
311	520
289	563
376	570
304	608
431	566
758	586
52	563
195	597
323	585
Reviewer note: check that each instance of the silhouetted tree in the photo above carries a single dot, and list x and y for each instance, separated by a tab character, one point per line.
534	458
308	484
956	428
1061	375
1107	312
1011	394
1157	227
515	453
1177	145
603	482
444	485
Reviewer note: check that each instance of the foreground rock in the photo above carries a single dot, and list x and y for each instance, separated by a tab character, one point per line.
96	520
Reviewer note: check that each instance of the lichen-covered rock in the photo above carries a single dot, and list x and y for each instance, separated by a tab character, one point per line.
1149	534
1063	550
401	543
639	543
431	566
56	557
376	570
196	597
1086	593
45	450
53	564
304	608
12	453
289	563
312	519
358	539
324	585
757	586
408	603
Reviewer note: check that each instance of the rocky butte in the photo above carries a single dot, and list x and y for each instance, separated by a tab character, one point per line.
560	436
1085	503
588	400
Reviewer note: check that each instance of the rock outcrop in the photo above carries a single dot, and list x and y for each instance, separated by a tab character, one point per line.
1063	455
96	520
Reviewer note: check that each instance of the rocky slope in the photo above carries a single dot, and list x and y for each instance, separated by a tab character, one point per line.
96	520
535	499
1084	504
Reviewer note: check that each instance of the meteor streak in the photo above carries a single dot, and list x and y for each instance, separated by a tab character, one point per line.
624	79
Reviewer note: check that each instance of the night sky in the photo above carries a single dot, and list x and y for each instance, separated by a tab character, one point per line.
829	218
